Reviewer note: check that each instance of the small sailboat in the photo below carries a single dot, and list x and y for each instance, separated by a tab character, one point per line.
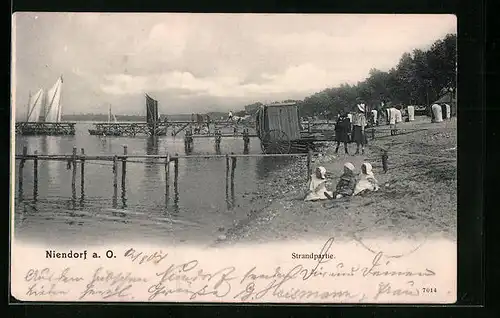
46	106
53	106
110	130
35	105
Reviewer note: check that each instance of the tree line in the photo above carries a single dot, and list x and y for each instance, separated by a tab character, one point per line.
420	78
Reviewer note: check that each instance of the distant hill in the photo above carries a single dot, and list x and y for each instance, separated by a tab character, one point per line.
101	117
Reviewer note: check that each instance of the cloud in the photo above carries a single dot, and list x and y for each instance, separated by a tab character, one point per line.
192	61
302	79
122	84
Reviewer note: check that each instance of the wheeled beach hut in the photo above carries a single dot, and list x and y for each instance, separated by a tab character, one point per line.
279	129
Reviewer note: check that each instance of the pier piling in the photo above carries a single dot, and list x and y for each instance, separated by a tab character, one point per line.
21	170
188	140
73	175
233	168
167	177
218	137
115	180
82	173
176	174
385	157
246	140
124	167
227	174
35	175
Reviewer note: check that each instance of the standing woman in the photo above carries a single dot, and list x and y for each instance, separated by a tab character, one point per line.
375	117
342	130
358	130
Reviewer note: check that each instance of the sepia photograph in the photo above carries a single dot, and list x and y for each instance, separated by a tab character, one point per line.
194	157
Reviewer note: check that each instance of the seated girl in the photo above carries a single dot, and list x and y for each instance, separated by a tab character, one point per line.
317	186
367	181
347	182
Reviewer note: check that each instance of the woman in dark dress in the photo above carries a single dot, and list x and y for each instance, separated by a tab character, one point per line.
342	130
358	127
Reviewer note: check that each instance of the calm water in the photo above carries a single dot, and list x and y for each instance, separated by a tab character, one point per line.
199	206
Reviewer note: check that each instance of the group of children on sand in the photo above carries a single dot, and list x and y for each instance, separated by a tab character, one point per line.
348	184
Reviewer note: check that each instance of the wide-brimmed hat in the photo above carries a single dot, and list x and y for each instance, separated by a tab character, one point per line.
361	107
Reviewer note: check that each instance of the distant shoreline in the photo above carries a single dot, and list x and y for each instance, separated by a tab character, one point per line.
131	118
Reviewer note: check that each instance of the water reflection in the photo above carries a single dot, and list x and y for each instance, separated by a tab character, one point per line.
106	144
152	172
44	148
152	145
143	197
41	169
176	188
49	145
155	177
188	148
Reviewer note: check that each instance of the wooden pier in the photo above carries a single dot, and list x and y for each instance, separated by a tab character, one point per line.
45	128
81	159
189	138
131	129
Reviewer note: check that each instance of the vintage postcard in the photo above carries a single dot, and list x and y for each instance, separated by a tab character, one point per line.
239	158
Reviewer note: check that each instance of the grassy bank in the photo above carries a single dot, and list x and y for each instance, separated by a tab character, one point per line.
418	195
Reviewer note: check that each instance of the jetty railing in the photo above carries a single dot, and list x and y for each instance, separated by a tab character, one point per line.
74	159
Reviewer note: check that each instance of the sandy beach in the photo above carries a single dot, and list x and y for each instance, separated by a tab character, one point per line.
417	199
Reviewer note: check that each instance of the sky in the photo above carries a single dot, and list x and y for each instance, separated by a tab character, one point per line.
205	62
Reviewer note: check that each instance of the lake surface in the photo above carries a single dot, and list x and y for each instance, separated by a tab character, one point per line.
199	206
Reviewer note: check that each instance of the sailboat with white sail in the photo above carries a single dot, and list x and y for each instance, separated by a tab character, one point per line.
35	106
111	116
46	106
53	109
44	114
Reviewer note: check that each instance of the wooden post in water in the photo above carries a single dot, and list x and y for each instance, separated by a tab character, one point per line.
385	157
167	176
227	175
176	175
21	170
373	133
115	179
309	162
73	176
124	168
218	138
246	140
35	175
233	168
82	174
